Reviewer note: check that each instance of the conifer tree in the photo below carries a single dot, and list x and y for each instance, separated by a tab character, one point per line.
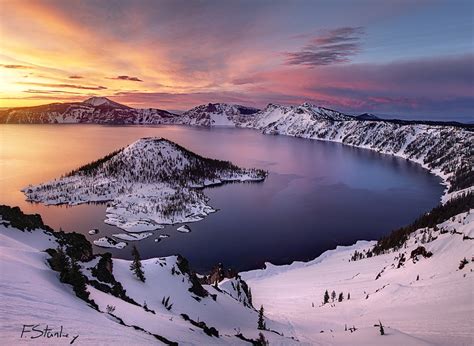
340	298
326	297
136	266
76	279
261	340
261	319
333	296
382	331
61	263
348	296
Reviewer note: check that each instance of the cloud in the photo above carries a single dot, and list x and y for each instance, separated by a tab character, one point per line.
59	92
72	86
16	66
331	47
75	77
133	79
435	87
246	80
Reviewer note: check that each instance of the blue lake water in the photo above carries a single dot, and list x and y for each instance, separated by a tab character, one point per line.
318	194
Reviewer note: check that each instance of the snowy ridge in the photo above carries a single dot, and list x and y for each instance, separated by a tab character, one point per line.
102	101
424	294
96	110
303	114
150	183
216	114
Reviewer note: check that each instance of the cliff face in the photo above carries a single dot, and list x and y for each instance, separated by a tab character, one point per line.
446	149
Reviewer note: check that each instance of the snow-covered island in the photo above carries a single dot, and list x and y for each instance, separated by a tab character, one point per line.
150	183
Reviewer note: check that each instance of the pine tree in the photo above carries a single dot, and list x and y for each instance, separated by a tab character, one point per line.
333	296
348	296
76	279
326	297
463	263
61	263
341	297
261	319
136	266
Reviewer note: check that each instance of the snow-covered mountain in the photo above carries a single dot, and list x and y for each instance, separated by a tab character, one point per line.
304	114
216	114
103	101
149	183
95	110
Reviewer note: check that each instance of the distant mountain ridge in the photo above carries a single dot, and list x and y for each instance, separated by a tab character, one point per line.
101	110
367	116
217	114
95	110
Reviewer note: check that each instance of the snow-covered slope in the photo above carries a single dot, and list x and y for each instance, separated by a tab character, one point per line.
149	183
30	294
422	294
95	110
103	101
170	306
429	298
216	114
304	115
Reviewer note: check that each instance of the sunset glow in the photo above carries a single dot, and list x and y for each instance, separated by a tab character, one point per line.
407	59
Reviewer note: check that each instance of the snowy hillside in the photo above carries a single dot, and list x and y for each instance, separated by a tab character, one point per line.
422	290
304	115
421	293
216	114
113	306
95	110
149	183
103	101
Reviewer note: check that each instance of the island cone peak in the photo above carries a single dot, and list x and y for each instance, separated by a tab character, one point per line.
149	183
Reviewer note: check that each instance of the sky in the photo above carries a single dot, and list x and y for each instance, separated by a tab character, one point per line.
393	58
